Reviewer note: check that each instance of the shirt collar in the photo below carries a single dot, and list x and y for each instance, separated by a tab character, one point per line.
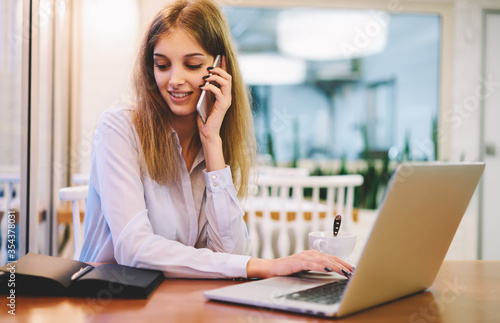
200	158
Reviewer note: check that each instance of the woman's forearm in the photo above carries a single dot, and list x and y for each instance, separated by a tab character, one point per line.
214	157
258	268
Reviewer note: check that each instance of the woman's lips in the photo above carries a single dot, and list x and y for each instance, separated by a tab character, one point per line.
179	97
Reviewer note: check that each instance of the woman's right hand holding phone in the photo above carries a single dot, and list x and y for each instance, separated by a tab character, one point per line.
220	85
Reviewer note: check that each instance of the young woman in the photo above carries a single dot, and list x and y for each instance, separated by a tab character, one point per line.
164	186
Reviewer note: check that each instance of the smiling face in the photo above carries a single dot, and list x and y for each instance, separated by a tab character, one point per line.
179	66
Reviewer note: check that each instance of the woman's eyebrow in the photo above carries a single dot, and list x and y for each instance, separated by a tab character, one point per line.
194	54
187	55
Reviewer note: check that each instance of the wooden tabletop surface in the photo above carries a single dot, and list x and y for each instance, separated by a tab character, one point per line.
464	291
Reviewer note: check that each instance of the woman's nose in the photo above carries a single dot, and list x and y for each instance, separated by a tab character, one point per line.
176	77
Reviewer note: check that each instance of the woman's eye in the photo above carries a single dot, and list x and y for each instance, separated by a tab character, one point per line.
161	67
194	67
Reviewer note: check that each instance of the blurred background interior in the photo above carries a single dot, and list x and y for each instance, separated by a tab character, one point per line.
338	87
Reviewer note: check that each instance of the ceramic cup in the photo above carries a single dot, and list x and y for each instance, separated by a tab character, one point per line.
341	246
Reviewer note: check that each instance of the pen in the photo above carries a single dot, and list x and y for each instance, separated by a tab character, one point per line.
336	224
81	272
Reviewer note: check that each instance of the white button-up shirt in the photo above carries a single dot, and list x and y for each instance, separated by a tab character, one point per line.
193	228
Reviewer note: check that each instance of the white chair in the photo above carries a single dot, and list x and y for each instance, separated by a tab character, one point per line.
266	170
75	194
282	171
280	217
80	179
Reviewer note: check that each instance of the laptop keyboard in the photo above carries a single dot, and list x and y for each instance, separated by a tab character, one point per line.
325	294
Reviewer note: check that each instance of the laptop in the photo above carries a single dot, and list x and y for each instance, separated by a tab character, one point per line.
415	226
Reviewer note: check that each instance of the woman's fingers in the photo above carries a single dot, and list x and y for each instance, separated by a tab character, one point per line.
220	85
329	263
310	260
223	63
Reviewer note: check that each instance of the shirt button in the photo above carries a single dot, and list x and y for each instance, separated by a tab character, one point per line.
215	184
214	177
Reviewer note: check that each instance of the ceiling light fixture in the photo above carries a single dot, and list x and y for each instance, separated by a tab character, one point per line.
271	69
319	34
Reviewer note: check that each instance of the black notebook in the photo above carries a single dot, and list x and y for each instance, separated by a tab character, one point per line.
37	274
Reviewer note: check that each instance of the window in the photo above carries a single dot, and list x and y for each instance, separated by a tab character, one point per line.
321	78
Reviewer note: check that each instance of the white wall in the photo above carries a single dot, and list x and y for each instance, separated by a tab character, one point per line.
108	44
489	224
467	112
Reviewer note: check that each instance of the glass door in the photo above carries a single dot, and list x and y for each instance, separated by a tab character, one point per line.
11	44
33	119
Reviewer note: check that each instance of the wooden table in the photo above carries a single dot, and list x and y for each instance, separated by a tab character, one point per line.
464	291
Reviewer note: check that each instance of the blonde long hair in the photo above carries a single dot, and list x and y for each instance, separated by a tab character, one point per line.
153	119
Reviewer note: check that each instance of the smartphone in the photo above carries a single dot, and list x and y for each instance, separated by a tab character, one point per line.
207	98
